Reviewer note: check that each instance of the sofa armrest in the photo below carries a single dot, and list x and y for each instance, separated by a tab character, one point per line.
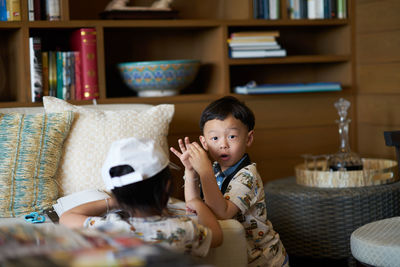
233	251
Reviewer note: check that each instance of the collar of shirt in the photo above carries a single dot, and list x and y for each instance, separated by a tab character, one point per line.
221	175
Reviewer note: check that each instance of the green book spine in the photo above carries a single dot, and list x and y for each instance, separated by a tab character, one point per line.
59	74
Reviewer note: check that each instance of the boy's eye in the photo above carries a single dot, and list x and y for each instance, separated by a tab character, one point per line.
214	138
232	136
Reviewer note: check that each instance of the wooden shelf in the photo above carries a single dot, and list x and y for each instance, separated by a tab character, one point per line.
291	60
318	50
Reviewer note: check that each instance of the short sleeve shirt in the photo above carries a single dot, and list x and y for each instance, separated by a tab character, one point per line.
246	191
182	234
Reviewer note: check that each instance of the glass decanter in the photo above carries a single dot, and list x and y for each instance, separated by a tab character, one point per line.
344	159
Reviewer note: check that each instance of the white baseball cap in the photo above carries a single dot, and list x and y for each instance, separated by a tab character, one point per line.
145	156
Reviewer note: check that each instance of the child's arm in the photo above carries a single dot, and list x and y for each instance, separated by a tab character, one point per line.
75	217
207	218
223	208
192	189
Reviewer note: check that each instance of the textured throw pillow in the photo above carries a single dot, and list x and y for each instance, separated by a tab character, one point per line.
30	152
92	133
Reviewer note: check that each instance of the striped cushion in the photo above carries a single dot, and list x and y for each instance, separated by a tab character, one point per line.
30	151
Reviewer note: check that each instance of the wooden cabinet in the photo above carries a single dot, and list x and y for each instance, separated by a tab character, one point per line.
287	126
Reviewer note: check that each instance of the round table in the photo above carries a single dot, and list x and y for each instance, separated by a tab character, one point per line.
317	222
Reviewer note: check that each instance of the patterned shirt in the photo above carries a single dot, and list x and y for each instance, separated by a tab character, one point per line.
246	191
181	233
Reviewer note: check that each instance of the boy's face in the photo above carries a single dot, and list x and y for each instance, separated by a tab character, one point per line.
226	140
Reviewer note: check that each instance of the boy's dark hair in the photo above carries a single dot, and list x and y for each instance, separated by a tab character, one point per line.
149	195
223	107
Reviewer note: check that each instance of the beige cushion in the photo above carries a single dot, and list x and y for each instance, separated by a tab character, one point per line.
92	133
30	152
377	243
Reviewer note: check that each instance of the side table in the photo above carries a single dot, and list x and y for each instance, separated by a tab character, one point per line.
317	222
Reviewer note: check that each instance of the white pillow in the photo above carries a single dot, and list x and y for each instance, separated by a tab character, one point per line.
92	133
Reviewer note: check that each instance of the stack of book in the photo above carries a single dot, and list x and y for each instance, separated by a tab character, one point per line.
257	44
68	75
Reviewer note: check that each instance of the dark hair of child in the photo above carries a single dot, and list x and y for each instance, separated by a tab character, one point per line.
150	195
223	107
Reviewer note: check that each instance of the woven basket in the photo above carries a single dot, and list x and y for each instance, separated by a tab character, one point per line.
375	172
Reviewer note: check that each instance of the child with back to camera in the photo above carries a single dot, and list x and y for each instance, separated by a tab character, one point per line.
231	186
137	173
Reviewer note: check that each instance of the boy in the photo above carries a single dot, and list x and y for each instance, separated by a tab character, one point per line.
136	172
231	186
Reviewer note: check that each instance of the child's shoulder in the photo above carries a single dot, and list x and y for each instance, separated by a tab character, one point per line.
251	168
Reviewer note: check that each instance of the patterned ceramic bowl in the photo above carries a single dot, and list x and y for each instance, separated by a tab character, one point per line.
159	78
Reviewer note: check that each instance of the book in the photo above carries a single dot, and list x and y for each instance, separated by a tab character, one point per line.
311	9
78	75
258	47
246	34
31	10
333	7
71	57
37	10
253	88
66	74
84	40
274	9
45	72
252	39
341	9
53	11
319	9
35	55
52	73
13	10
258	53
254	44
3	10
60	83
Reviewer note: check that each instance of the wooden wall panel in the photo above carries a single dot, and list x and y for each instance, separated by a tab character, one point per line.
379	110
377	15
378	47
372	143
378	79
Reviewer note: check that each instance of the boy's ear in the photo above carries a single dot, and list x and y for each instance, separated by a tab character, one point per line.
203	142
250	138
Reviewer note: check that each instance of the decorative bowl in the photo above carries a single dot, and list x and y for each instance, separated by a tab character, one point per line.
159	78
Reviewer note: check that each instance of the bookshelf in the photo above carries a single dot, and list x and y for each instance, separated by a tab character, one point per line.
288	125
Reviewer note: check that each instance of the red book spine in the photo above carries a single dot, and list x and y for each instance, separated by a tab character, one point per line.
78	75
84	41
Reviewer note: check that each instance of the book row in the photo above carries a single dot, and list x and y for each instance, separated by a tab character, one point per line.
257	44
301	9
44	10
10	10
68	75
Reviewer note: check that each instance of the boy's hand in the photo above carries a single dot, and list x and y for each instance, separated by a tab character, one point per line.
198	157
184	154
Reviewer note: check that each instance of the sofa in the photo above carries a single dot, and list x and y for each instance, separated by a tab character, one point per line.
57	149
